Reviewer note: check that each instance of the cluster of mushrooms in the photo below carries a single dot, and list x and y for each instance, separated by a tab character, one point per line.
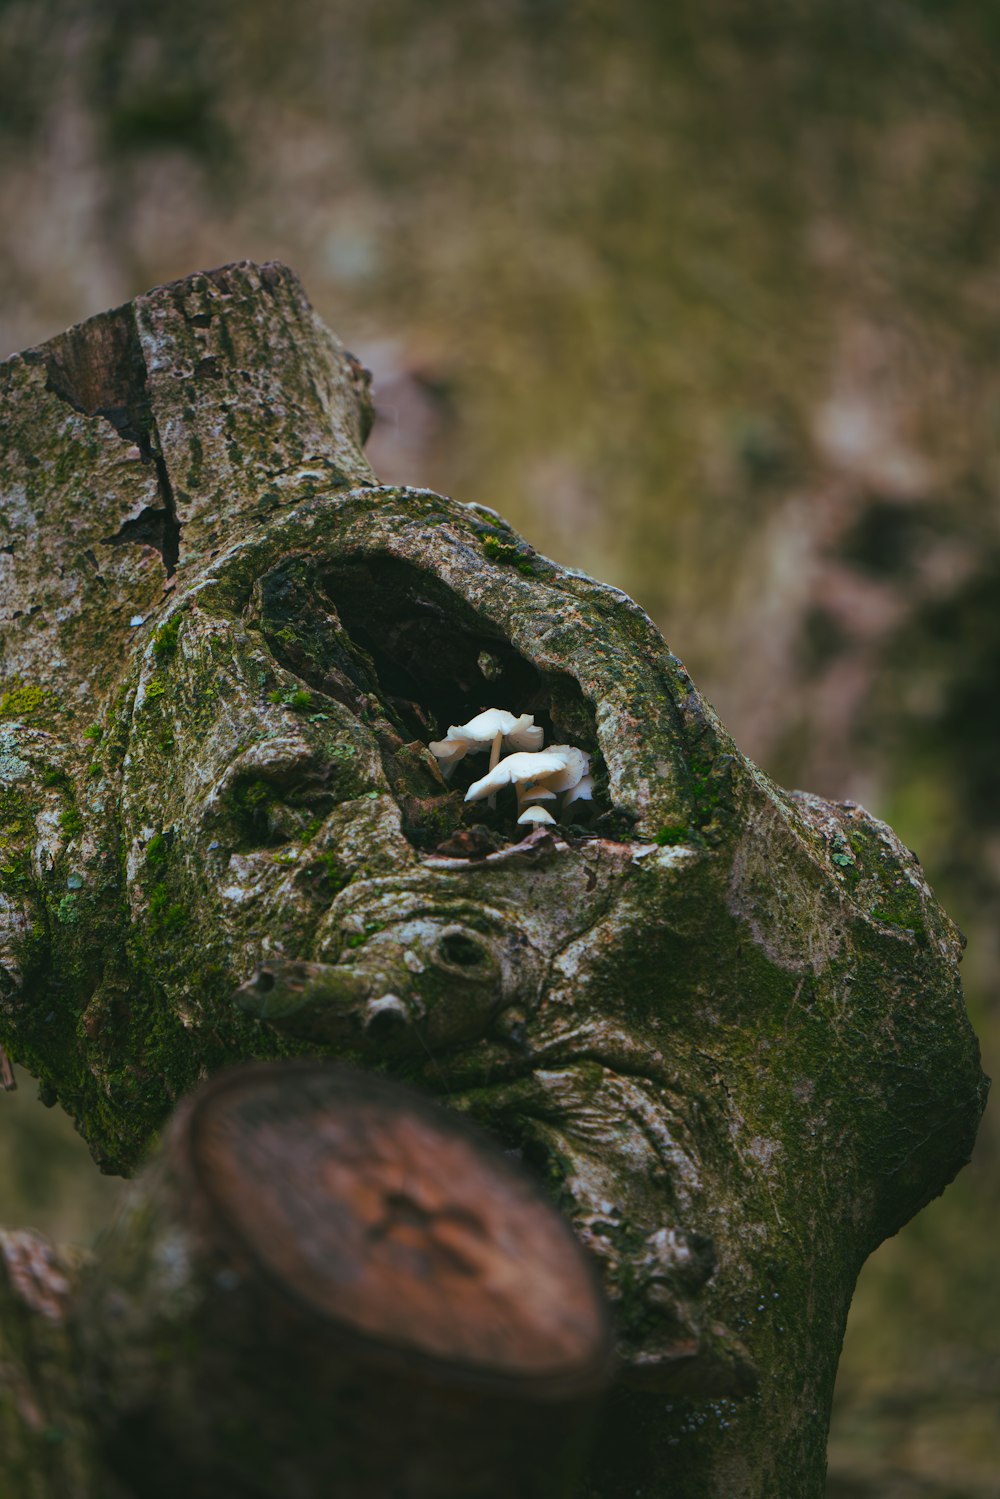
538	775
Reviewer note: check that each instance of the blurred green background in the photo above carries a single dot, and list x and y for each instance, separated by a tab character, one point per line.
705	298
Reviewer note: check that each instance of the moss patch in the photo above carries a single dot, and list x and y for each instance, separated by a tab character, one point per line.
669	836
165	638
21	700
506	552
71	822
294	697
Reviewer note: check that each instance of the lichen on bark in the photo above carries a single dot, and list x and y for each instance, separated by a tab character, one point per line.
722	1021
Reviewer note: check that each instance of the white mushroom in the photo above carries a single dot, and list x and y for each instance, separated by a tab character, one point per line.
576	765
523	766
554	769
536	815
535	794
530	736
583	791
488	729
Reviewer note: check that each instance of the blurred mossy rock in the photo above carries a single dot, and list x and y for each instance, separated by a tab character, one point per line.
721	1020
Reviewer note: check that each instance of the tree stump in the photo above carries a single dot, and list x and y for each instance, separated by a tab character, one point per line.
721	1021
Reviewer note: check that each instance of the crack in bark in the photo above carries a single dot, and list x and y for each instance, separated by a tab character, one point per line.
148	528
98	369
156	526
171	548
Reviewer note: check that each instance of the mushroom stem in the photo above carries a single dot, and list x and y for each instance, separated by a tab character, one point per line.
494	762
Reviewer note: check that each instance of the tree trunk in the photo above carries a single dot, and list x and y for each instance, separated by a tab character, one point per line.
721	1021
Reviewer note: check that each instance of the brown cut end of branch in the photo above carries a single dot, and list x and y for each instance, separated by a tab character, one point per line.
397	1225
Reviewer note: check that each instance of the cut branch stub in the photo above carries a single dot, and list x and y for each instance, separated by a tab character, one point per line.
321	1258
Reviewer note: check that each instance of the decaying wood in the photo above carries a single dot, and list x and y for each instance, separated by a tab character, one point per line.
722	1021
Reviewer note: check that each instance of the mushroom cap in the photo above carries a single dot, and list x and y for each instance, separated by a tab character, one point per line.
480	732
583	791
485	727
536	815
530	737
553	769
523	766
448	750
576	765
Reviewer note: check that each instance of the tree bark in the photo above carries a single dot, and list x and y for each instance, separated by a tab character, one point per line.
722	1021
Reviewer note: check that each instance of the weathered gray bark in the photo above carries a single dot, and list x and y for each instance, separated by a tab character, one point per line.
722	1020
315	1253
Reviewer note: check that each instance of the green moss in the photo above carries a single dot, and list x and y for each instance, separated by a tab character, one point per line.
358	939
159	897
66	911
165	915
255	794
894	918
156	851
908	916
668	836
506	552
71	822
326	875
709	778
94	732
876	881
292	697
165	639
156	688
22	699
15	872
